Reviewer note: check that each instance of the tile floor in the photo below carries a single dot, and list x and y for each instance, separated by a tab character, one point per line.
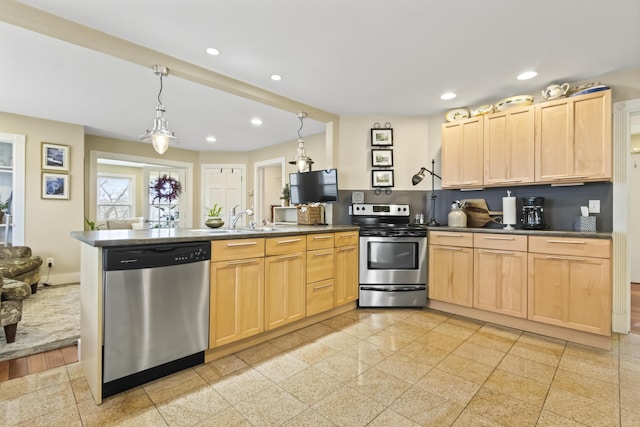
366	367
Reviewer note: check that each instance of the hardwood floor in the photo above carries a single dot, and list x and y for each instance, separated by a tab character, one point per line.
10	369
635	308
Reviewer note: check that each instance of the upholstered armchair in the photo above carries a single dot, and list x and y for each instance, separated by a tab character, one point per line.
17	263
12	292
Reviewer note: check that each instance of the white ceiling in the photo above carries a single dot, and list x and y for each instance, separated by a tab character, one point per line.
353	57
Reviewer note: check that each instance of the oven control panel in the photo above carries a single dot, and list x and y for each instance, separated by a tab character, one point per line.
372	209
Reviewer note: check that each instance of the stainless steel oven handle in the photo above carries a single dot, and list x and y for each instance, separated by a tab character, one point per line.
407	289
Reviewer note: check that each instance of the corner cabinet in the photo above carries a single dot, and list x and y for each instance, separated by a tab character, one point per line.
573	139
462	153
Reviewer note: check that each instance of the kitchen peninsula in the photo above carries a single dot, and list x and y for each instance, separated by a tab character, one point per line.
263	283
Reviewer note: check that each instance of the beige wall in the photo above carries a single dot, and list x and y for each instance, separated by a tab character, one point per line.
49	222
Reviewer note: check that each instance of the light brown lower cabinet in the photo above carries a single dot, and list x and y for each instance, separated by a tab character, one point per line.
451	274
345	275
500	274
285	289
236	300
569	289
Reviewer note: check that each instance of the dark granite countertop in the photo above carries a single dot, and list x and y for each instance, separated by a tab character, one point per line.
110	238
520	231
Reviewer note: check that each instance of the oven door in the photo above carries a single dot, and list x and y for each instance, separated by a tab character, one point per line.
393	260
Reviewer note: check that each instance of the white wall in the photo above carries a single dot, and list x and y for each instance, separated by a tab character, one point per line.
411	149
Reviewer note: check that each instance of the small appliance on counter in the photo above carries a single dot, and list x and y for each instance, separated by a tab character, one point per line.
533	213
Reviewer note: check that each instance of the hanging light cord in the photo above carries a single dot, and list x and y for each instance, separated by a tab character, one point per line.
160	93
301	125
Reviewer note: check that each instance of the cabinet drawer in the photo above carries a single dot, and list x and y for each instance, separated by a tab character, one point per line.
285	245
575	246
319	265
224	250
319	297
319	241
450	238
500	241
347	238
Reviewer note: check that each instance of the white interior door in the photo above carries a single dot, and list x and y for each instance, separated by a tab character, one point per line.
224	185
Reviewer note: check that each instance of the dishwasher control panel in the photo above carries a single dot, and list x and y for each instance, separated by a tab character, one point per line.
150	256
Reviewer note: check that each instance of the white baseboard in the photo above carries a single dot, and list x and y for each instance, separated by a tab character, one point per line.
59	279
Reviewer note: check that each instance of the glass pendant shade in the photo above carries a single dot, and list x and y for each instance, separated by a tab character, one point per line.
160	136
302	161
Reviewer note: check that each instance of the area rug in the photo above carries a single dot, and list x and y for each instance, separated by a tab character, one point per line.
50	320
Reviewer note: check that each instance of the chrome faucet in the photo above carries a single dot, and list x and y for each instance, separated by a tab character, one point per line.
233	218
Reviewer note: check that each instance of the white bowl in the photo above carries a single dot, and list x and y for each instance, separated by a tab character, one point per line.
514	101
457	114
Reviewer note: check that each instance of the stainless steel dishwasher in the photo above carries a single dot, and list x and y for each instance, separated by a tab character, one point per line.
156	312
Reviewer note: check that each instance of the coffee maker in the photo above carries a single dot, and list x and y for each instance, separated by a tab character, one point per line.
533	213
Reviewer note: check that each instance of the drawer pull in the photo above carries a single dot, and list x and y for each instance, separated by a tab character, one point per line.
348	235
324	254
245	261
290	256
507	180
569	242
345	249
498	238
289	241
498	252
444	248
242	244
321	237
570	177
449	235
323	286
566	258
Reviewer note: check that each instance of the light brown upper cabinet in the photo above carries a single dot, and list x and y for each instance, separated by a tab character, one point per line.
508	147
462	153
573	139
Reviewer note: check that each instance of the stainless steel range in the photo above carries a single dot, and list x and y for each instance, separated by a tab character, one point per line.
393	256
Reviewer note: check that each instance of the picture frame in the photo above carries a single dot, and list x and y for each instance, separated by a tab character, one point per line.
55	186
55	157
381	137
381	158
382	178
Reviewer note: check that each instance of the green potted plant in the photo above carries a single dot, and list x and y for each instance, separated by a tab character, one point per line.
214	220
286	195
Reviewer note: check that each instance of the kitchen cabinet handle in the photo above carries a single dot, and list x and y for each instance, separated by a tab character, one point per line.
242	244
321	237
297	255
570	177
499	238
497	252
348	248
348	235
566	258
324	254
446	248
449	235
497	181
569	242
244	261
289	241
323	286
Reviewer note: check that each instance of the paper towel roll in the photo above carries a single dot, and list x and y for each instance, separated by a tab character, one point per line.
509	210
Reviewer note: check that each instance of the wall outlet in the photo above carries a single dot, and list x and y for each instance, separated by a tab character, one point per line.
50	262
594	206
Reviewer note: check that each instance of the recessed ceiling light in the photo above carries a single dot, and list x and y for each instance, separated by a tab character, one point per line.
276	77
448	95
527	75
256	121
213	51
211	139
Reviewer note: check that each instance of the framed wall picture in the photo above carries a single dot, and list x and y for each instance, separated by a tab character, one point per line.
55	186
382	137
55	157
382	178
381	158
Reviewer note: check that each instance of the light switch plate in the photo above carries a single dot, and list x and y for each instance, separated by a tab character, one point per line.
594	206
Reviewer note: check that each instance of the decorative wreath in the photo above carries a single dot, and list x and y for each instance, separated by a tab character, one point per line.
165	188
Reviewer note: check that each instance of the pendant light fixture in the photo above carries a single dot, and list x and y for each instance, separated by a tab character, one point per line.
160	135
303	161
